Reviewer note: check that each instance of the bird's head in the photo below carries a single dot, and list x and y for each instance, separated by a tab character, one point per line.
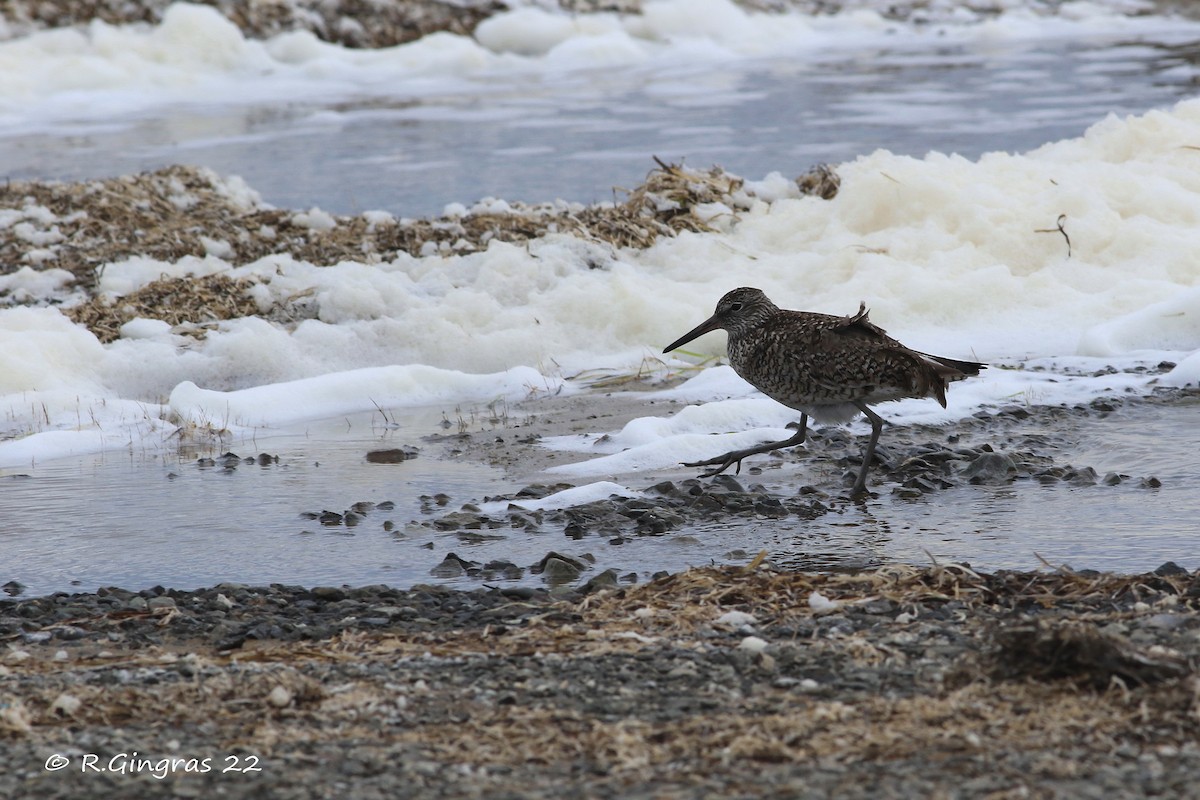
737	312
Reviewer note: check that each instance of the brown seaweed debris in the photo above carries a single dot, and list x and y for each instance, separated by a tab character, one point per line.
177	212
352	23
178	301
181	211
167	214
821	181
1055	650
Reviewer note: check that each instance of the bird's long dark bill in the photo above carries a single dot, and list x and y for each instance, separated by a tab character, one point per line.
709	324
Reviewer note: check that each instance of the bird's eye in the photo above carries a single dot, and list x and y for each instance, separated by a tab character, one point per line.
735	307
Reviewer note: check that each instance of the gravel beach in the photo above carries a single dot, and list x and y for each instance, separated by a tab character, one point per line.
897	682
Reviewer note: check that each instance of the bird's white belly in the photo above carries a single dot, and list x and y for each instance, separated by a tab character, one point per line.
833	413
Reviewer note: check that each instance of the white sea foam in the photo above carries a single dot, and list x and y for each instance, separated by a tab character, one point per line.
576	495
340	393
103	73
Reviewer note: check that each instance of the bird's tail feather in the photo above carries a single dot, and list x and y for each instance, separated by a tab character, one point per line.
951	366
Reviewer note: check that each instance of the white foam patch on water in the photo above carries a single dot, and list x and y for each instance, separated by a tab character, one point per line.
575	496
1185	373
955	257
102	72
340	393
44	425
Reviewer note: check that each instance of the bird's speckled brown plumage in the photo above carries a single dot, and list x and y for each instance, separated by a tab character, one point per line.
827	367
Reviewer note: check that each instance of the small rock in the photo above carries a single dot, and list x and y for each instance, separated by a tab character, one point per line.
279	697
459	519
990	468
1166	621
820	604
395	455
69	633
753	644
557	571
66	705
736	619
728	483
519	592
605	580
452	567
536	491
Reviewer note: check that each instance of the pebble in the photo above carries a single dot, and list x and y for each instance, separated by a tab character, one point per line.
395	455
736	619
280	697
557	570
753	644
991	468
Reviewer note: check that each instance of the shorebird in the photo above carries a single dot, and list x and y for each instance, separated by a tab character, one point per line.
826	367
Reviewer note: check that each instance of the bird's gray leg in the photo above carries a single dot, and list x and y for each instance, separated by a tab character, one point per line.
860	485
724	462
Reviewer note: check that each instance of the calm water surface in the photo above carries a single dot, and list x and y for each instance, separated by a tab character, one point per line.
139	520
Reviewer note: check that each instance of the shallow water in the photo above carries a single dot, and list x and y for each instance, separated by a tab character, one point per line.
144	519
577	135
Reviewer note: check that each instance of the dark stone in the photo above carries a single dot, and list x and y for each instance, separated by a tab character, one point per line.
395	455
452	567
991	468
605	580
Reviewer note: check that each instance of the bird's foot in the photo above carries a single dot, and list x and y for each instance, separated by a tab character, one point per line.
727	460
722	463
